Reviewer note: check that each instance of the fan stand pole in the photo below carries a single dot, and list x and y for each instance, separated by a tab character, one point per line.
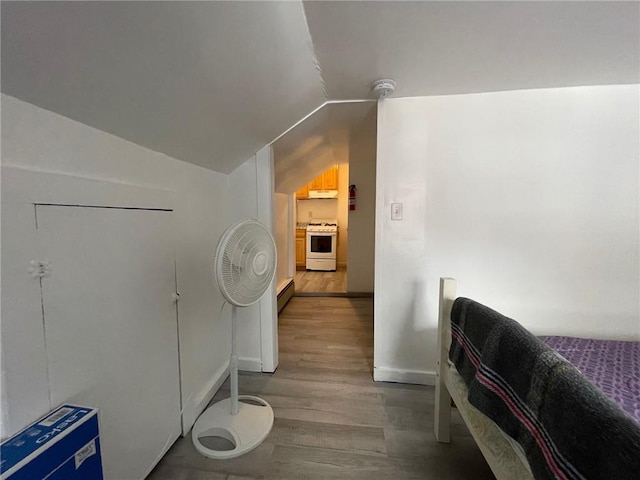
233	362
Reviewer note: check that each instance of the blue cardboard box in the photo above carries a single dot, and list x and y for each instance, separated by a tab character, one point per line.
64	444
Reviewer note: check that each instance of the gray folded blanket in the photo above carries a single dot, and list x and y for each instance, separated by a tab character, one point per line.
567	427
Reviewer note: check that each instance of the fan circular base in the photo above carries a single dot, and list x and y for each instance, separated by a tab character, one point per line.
245	430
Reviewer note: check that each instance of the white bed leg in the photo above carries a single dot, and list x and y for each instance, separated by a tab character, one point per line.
442	421
442	414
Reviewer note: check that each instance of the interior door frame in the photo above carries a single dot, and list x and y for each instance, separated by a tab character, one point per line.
268	305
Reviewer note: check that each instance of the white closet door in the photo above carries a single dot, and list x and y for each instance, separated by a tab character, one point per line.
111	327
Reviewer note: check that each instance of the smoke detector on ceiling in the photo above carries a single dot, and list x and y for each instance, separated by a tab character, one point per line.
383	88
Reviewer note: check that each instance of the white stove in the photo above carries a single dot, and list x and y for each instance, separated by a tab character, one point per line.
321	244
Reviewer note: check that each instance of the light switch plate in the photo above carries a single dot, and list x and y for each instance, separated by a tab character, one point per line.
396	211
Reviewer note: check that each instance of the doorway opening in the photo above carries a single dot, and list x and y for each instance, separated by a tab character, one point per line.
322	233
326	248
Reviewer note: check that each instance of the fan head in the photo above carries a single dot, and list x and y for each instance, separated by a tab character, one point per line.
245	262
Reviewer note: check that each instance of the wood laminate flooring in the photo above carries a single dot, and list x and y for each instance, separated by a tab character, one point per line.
332	421
321	282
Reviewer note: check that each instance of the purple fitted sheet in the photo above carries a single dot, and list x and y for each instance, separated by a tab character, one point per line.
613	366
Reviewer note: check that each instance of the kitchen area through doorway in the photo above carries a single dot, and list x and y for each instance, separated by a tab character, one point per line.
324	203
321	234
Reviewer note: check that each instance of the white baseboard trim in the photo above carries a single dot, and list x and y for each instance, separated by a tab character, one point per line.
250	364
417	377
192	410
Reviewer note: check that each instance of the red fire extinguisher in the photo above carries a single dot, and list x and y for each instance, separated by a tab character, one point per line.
352	197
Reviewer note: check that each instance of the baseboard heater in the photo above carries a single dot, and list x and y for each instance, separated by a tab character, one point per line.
285	294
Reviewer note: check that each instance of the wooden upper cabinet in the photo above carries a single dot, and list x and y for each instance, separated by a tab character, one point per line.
330	179
316	183
327	180
303	192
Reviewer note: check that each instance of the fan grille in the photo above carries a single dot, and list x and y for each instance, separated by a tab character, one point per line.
245	262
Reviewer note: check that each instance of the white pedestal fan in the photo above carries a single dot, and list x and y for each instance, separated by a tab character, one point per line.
244	266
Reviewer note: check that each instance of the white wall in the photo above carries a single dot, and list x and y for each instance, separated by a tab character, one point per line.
251	196
317	208
244	205
362	173
529	198
284	237
49	158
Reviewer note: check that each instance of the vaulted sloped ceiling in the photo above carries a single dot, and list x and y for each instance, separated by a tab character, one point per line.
209	83
212	82
316	143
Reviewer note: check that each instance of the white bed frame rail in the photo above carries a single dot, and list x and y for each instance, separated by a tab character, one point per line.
504	457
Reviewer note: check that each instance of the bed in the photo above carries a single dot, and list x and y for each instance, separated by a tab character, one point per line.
533	414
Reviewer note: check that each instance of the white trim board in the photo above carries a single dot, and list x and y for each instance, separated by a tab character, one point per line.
416	377
191	412
268	304
249	365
